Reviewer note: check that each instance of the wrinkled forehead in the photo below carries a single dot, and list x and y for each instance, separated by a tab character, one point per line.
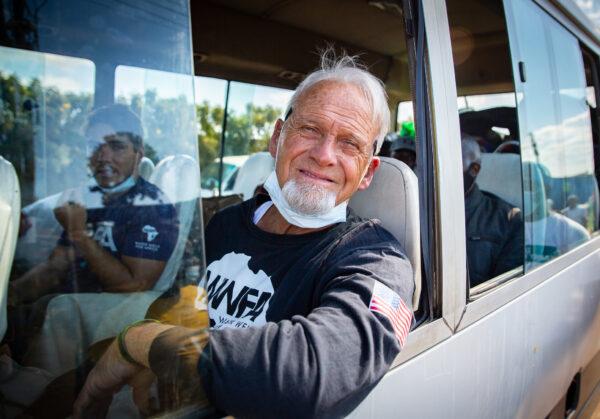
343	98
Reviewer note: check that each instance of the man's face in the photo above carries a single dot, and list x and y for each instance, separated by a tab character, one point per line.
112	157
327	142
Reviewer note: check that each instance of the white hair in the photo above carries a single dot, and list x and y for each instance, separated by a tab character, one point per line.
346	69
471	152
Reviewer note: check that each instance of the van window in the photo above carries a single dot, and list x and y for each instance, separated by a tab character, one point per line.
489	139
97	117
250	117
559	186
263	70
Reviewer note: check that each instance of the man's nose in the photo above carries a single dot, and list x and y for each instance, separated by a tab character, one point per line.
103	152
324	152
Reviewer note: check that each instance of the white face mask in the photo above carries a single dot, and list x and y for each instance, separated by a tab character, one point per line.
335	215
121	187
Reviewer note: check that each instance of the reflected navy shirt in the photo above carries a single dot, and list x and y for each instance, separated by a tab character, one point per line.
140	223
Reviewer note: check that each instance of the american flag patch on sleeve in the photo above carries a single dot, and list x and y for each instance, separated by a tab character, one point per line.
386	302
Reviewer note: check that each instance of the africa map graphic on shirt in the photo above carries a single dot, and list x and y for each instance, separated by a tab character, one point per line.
237	296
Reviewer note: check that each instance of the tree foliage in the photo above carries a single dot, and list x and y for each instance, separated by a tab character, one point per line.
41	132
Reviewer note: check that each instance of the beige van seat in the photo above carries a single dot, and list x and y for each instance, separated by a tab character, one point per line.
253	173
393	198
10	208
500	175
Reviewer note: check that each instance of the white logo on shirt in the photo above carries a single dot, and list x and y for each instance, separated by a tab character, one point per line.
150	231
237	297
104	236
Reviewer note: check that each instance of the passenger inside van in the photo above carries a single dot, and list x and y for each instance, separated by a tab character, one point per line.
303	268
494	227
118	232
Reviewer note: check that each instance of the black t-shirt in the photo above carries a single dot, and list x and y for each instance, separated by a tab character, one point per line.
297	331
140	223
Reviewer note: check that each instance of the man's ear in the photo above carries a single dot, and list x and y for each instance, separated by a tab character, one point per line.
274	141
368	177
474	169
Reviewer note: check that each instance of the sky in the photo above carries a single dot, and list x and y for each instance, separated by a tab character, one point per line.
68	74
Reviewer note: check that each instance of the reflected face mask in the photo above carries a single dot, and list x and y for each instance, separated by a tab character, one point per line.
336	215
121	187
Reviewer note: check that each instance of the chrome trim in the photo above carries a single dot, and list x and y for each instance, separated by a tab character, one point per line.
482	289
447	153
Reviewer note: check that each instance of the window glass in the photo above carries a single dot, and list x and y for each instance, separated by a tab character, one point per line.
97	117
489	140
558	162
45	100
251	114
210	109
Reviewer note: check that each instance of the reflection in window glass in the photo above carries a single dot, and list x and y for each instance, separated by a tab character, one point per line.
251	114
490	140
165	103
558	165
97	116
210	107
45	98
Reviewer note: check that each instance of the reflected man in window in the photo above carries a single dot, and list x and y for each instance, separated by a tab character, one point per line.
119	231
548	233
494	227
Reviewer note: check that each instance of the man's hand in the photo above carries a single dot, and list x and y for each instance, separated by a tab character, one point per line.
109	375
72	217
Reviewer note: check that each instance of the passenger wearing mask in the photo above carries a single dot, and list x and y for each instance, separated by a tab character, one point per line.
118	231
548	234
494	227
403	149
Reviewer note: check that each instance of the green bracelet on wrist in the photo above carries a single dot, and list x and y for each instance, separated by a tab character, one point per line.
121	340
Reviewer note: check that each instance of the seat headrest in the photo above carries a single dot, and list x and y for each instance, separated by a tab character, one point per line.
393	198
10	209
500	175
178	177
253	173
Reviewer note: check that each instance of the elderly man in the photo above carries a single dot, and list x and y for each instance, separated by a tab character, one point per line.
494	227
309	305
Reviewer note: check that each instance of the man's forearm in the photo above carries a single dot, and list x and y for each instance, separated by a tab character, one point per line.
37	282
112	273
138	341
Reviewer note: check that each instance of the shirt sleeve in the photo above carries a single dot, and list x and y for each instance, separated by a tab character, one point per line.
323	364
512	252
152	232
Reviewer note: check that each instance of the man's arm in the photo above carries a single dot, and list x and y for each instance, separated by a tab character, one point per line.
512	252
126	275
320	365
42	278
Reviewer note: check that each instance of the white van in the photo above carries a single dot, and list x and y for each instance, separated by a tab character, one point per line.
507	322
